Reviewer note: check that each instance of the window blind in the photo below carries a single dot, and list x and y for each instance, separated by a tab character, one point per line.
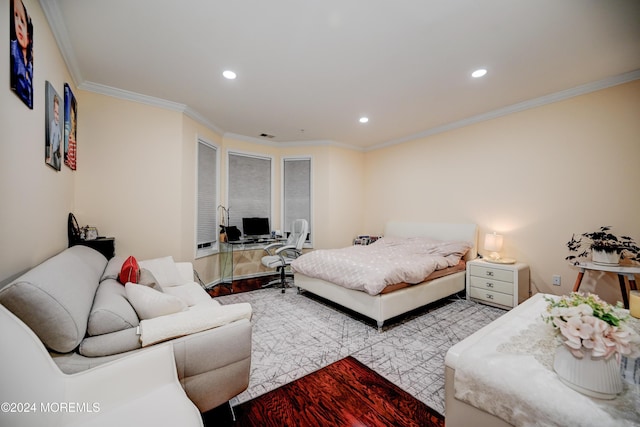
207	231
297	191
249	188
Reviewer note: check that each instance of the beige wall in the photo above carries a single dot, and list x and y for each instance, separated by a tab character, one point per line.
129	177
528	175
35	197
536	176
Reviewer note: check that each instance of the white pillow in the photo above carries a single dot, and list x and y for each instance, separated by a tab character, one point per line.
149	303
163	269
190	293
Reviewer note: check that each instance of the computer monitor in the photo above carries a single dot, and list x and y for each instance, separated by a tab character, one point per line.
256	227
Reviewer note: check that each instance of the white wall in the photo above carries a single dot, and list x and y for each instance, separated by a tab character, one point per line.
536	176
36	198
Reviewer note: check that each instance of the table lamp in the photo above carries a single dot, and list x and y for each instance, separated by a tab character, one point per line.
493	244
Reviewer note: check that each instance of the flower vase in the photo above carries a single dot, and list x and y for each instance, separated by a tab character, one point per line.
596	377
605	258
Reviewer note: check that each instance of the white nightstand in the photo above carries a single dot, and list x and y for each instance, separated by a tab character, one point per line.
499	285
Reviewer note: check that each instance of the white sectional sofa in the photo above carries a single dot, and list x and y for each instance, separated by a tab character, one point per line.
81	314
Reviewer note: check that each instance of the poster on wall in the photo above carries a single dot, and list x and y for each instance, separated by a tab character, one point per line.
21	52
53	134
70	127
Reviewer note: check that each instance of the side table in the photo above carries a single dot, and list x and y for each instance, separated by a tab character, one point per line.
622	271
105	245
500	285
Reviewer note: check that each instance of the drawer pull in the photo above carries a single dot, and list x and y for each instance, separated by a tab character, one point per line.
490	273
489	285
489	296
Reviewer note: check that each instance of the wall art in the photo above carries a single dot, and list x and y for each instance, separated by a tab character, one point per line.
21	52
53	132
70	127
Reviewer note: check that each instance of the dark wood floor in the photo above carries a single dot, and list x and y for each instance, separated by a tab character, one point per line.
242	285
345	393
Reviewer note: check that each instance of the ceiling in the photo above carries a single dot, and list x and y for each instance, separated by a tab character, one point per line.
308	70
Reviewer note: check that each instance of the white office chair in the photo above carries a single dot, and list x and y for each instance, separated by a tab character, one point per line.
279	255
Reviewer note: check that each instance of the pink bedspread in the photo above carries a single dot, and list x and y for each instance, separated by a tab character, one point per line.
388	261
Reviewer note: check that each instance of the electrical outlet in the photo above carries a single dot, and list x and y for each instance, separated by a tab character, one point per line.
556	280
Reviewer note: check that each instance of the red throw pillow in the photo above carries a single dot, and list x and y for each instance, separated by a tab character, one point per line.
130	271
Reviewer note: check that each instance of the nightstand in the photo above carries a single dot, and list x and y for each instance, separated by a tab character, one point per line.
499	285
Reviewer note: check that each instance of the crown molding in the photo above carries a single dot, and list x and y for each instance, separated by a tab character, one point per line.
521	106
190	112
132	96
59	30
312	143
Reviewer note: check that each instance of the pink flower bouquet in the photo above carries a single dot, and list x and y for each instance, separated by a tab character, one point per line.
588	323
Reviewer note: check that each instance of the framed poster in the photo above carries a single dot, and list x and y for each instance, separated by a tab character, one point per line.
53	134
21	52
70	127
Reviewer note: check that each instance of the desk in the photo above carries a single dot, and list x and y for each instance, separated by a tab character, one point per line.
226	257
622	271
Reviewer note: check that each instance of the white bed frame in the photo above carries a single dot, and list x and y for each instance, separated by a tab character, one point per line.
385	306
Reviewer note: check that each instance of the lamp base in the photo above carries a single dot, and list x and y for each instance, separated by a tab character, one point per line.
500	260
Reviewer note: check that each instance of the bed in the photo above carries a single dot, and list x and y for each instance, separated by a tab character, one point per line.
384	306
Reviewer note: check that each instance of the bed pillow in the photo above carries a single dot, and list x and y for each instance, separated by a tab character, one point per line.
149	303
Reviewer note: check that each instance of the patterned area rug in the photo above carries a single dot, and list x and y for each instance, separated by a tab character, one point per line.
296	334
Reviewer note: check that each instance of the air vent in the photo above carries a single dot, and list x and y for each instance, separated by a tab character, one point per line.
266	135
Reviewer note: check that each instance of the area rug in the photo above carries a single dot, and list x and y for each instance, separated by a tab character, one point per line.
345	393
296	334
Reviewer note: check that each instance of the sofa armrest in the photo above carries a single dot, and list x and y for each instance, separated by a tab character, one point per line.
185	270
214	365
142	386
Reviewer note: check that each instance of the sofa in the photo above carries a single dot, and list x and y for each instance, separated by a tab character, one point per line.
85	317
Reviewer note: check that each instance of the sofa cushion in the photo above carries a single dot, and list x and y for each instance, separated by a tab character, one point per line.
164	270
54	298
147	279
112	270
108	344
111	310
149	303
190	293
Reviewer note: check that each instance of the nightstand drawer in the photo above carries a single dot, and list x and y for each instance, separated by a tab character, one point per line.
491	285
491	296
491	273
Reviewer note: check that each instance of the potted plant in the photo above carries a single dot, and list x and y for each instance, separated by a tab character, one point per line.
592	331
606	248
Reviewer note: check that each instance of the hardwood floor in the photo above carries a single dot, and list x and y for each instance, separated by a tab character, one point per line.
242	285
345	393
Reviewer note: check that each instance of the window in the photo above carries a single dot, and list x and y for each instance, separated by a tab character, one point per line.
207	199
249	184
296	192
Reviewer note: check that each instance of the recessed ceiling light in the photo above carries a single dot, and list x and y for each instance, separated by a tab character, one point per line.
364	119
479	73
229	74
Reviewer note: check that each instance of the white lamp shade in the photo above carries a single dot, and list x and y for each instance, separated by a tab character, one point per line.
493	242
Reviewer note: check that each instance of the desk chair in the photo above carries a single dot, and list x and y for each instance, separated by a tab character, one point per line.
279	255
